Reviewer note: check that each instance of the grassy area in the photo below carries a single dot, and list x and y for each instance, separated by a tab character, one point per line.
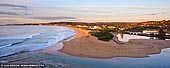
103	35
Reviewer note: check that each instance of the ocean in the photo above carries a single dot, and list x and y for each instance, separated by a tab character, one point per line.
16	39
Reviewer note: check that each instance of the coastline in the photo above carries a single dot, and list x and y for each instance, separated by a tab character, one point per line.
55	58
53	50
91	47
84	45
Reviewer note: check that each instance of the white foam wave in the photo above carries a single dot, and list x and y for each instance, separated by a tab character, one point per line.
19	36
3	61
5	46
8	50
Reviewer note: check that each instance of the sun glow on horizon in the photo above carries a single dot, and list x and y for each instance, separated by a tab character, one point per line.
22	11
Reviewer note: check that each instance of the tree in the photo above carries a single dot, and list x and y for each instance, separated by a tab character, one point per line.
161	35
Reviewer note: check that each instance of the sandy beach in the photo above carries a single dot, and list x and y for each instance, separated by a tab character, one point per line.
84	46
85	34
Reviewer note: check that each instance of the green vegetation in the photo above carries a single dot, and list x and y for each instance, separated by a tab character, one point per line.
103	35
161	35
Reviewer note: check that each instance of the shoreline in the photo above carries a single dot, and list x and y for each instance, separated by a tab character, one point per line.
54	50
91	47
101	54
82	46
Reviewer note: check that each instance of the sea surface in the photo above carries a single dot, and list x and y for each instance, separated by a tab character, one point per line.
161	60
15	39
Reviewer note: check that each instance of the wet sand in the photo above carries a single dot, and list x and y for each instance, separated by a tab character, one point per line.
84	46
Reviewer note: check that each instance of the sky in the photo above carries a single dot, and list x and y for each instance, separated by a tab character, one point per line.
42	11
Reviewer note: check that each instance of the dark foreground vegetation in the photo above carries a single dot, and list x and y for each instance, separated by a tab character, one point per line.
161	35
103	35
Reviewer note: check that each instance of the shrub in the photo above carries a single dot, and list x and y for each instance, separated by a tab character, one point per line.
102	35
161	34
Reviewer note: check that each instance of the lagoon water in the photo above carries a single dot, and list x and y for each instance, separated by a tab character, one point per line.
127	37
154	61
15	39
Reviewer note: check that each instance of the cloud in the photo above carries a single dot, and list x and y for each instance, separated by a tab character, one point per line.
13	5
53	18
152	14
12	13
156	13
8	13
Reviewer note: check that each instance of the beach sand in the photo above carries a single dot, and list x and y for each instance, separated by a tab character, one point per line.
91	47
83	46
53	50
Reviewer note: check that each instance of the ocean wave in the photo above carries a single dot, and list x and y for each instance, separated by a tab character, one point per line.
31	43
20	36
4	46
25	37
11	49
